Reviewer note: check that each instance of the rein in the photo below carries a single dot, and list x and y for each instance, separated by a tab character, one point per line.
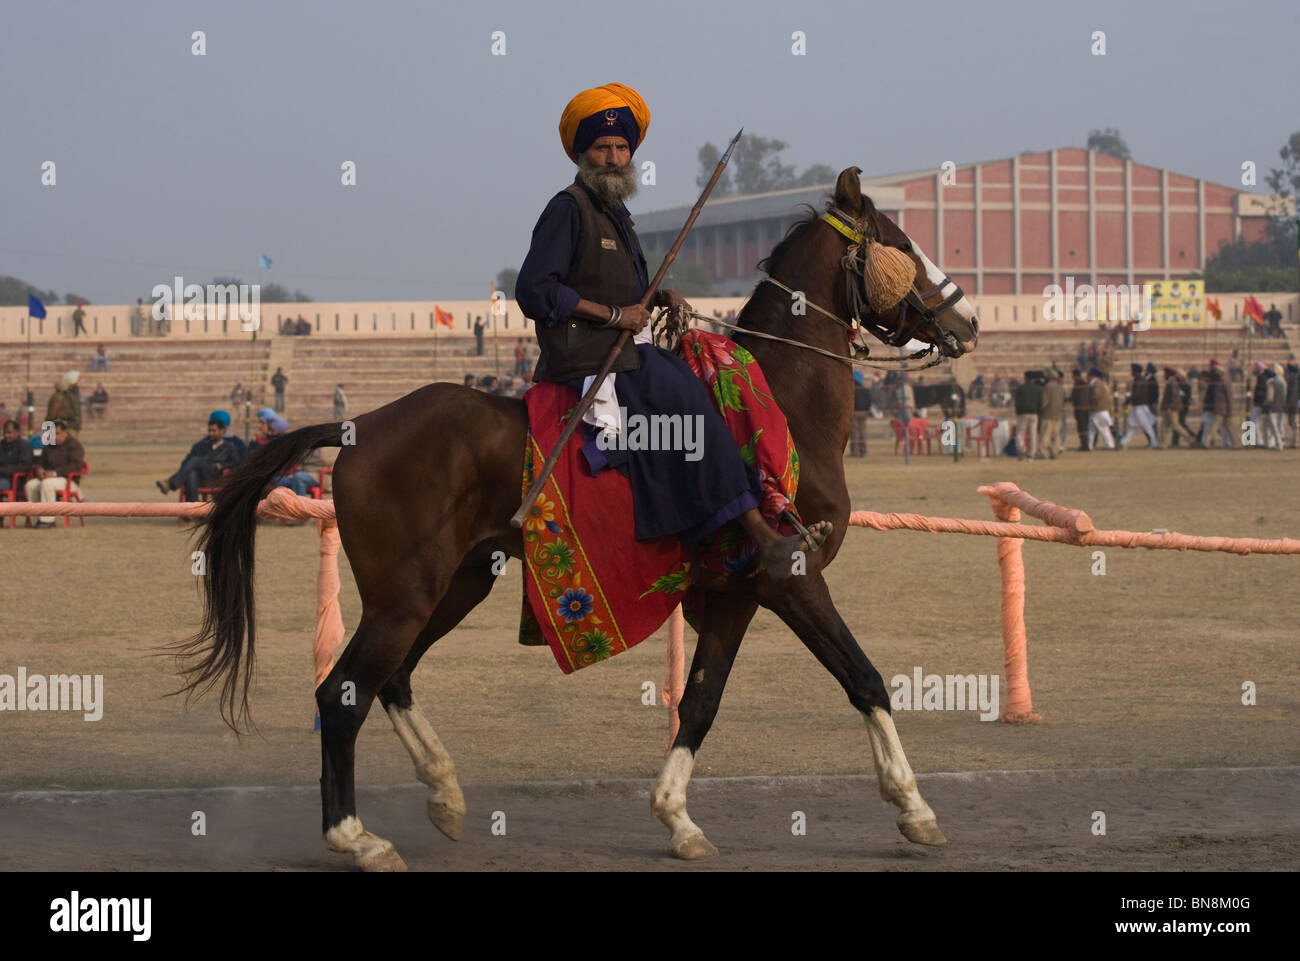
854	265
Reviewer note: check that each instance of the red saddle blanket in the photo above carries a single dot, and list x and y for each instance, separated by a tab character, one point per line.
592	590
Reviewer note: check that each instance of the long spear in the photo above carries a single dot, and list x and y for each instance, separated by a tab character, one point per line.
590	397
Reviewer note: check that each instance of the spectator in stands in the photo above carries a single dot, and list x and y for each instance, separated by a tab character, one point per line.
521	359
1081	401
278	381
1293	401
203	465
304	326
100	359
1092	356
861	406
1100	419
98	401
1274	320
269	424
953	403
237	395
50	475
468	381
479	327
1216	408
137	318
1081	355
64	405
976	391
79	321
877	397
1049	416
1236	371
911	397
1142	400
1029	401
340	403
15	455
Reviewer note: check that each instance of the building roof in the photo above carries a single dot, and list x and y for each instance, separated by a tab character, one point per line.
748	207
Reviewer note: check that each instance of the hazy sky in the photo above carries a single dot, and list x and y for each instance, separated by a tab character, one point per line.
169	163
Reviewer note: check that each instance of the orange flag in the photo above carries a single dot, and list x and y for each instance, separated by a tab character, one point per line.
1212	305
1254	309
443	317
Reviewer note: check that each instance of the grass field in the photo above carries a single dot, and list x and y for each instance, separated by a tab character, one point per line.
1140	668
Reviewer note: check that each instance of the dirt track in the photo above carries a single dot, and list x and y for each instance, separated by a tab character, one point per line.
1138	670
1189	820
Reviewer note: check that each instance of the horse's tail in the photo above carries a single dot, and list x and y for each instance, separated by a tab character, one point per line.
223	648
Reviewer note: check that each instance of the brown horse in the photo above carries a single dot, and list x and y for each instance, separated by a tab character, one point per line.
421	551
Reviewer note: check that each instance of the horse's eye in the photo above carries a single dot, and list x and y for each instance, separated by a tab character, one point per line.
905	248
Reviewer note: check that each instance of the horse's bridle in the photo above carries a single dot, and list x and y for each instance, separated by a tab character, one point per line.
860	235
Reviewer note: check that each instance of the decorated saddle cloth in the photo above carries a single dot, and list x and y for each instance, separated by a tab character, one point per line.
592	589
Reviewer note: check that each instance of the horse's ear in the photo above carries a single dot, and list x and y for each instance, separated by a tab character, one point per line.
848	191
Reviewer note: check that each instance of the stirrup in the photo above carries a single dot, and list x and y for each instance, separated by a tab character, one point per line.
808	544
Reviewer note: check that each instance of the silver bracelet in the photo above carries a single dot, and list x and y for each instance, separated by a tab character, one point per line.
616	314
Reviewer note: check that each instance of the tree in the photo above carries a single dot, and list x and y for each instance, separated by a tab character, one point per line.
817	174
71	299
13	293
756	168
1268	264
507	277
1284	181
1109	142
269	293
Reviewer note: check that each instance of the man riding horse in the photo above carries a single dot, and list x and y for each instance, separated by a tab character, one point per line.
581	283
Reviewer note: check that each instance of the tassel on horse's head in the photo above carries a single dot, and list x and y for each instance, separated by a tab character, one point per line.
887	275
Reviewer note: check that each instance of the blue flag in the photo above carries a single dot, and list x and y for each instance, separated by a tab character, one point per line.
34	306
266	262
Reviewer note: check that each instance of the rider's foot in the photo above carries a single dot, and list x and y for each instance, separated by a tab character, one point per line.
777	557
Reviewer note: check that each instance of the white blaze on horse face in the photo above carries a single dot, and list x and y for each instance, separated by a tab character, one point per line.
937	277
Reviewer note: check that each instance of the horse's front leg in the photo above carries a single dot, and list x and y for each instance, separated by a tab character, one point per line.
722	627
804	604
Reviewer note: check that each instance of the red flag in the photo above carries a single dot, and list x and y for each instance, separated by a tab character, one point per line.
1212	305
443	317
1254	309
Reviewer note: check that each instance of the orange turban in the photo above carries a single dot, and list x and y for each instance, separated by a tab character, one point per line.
613	109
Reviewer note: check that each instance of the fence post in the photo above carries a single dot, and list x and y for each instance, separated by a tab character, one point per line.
1019	707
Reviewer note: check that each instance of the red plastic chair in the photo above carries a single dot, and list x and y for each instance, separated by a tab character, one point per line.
921	431
200	494
983	438
68	495
14	495
899	438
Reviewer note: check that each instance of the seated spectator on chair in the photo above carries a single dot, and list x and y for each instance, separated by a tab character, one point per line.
98	401
15	455
206	460
50	475
270	425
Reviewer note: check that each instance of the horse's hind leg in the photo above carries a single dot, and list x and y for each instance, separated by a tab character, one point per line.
376	650
433	765
722	626
806	608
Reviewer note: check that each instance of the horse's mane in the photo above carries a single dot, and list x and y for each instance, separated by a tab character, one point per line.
792	235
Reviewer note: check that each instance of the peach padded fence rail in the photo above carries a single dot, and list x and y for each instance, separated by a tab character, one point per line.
1061	525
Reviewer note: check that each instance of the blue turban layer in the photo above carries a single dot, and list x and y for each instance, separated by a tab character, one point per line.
219	417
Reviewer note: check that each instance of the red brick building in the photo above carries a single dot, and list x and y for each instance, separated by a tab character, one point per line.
1003	226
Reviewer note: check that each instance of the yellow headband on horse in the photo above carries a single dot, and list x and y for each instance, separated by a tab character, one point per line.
613	109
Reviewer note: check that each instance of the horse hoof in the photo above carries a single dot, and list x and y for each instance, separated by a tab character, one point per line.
448	819
385	859
694	848
922	830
